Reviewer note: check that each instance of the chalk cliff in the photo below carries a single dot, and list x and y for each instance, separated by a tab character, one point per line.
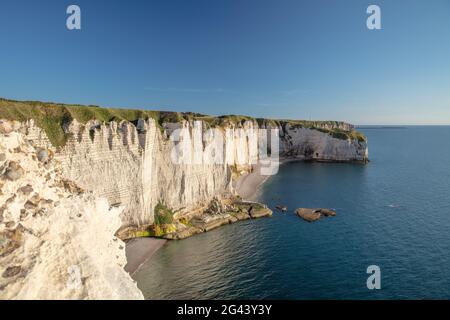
56	240
72	176
132	165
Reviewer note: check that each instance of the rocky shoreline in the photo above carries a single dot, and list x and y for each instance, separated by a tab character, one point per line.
141	244
69	186
242	210
221	211
139	250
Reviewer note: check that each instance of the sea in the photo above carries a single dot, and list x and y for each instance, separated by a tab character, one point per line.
392	213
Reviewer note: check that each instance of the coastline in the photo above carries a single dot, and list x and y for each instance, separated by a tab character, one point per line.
248	187
139	251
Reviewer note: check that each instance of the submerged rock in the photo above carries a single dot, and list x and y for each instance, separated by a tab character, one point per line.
327	212
281	208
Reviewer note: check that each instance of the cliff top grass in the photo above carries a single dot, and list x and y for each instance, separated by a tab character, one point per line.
342	134
52	117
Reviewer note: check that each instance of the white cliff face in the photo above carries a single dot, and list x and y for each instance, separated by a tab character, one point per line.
56	242
135	167
305	143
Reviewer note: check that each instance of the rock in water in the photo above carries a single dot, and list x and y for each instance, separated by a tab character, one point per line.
257	211
312	215
281	208
309	215
327	212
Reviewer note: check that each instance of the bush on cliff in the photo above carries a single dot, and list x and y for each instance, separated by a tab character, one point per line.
163	215
163	220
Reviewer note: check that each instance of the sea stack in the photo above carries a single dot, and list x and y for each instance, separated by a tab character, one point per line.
312	215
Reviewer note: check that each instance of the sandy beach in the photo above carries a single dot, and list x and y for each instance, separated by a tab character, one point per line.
139	251
247	186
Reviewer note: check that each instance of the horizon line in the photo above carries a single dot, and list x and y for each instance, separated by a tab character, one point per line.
224	114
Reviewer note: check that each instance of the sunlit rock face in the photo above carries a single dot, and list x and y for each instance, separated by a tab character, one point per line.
138	165
315	145
56	239
60	208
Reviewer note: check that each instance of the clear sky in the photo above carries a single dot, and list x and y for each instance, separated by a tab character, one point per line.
266	58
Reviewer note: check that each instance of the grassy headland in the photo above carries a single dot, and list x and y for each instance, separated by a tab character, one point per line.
52	117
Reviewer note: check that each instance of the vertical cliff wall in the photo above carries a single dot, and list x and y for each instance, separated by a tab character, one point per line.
133	165
71	176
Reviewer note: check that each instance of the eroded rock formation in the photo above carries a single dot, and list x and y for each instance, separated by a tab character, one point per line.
60	205
132	165
56	241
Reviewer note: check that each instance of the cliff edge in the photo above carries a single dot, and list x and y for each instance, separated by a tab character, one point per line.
56	240
126	156
72	177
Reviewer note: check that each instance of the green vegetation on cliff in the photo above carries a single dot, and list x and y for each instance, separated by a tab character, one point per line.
163	222
53	117
342	134
163	215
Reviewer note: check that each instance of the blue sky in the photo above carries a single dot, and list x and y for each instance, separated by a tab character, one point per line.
265	58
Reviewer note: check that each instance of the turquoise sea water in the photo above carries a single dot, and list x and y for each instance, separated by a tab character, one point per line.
393	212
